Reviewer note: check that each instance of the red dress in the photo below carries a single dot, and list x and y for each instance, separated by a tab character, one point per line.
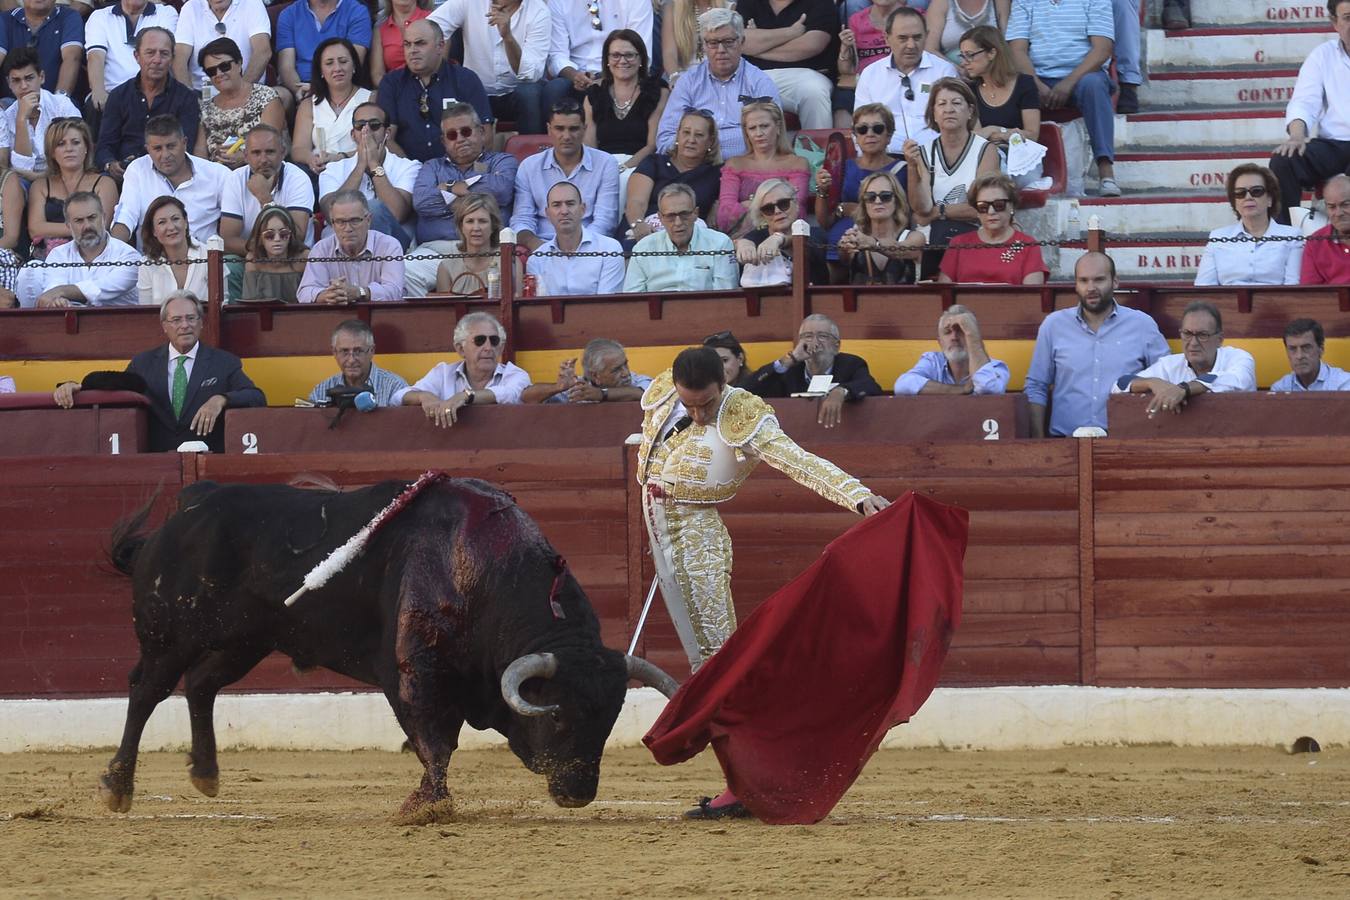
1009	263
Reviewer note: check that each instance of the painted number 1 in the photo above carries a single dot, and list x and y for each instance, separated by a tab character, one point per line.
990	427
250	442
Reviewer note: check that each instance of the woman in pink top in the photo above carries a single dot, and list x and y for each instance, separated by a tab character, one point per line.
387	54
769	156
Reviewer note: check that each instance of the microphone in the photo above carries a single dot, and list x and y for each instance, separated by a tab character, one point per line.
365	401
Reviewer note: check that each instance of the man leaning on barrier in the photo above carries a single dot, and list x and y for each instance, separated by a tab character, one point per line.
1304	341
817	353
187	383
95	271
961	367
605	378
479	378
354	350
703	260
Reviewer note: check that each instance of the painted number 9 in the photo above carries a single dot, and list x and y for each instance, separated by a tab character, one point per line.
250	442
990	427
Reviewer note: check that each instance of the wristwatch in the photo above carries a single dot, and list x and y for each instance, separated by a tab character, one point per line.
942	210
1185	388
469	396
362	293
604	394
378	172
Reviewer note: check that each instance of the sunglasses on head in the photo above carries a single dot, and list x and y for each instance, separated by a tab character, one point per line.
481	339
780	205
996	205
1244	193
218	69
874	128
746	98
566	107
878	196
719	336
463	133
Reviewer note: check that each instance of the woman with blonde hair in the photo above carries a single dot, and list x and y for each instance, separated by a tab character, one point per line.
695	159
681	38
766	252
881	248
479	221
995	253
873	126
768	156
168	245
276	257
69	146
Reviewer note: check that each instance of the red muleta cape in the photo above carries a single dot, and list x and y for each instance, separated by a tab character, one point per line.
800	697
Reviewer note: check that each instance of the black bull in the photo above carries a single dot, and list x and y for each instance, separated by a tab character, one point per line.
447	611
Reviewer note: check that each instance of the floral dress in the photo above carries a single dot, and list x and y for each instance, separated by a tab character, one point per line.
226	126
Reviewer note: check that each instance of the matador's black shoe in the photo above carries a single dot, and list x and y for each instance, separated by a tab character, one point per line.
705	810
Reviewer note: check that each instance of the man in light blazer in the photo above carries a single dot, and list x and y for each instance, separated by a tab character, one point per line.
208	380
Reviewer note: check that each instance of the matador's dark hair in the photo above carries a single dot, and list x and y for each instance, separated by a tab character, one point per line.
697	368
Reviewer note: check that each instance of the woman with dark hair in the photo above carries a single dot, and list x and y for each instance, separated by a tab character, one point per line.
996	252
276	257
386	51
70	169
732	354
323	120
695	159
1256	256
623	110
236	107
168	245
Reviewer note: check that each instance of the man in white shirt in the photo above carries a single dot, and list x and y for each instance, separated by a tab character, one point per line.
1304	341
901	83
579	31
561	272
267	178
506	44
1321	100
243	21
386	180
479	378
22	148
168	169
1204	365
90	282
110	39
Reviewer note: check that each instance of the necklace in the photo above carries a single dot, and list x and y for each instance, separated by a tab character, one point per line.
622	108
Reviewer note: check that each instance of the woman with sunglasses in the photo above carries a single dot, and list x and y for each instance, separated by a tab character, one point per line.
1007	101
881	249
940	174
873	125
1258	256
766	252
951	21
479	220
168	245
386	51
737	371
1012	260
768	156
695	159
623	110
70	169
236	107
323	120
276	257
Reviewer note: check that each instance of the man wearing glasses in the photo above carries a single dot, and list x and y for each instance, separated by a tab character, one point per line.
189	385
721	84
902	82
361	270
817	353
705	259
579	31
354	350
384	179
416	96
1204	365
1326	256
480	377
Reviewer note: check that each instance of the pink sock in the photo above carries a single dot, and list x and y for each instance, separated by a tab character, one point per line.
726	798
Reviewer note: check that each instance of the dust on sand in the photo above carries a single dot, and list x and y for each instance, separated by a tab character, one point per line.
1090	822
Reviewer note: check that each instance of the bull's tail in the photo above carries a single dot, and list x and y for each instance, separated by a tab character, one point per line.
129	536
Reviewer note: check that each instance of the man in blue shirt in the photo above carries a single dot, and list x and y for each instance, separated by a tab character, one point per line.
721	84
354	350
121	135
301	27
557	262
1081	352
962	366
58	34
415	96
594	172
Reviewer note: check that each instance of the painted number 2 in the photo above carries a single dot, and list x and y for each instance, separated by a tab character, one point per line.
250	442
990	427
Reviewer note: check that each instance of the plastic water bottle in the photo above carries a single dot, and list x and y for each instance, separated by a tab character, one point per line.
1074	226
494	285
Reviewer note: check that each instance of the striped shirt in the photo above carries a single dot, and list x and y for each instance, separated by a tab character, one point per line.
1059	31
383	384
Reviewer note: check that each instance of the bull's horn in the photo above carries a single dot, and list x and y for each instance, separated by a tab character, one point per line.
536	665
645	673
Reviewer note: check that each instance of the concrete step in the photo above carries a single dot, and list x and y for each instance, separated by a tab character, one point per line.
1211	13
1155	212
1199	170
1214	127
1286	45
1154	258
1240	86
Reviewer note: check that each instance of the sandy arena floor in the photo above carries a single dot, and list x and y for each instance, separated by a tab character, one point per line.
1079	823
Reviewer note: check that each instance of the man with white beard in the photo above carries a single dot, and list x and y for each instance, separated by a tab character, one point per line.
961	367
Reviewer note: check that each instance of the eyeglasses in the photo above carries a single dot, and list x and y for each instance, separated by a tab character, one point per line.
1338	207
985	206
874	128
218	69
593	8
681	215
620	56
909	88
357	352
271	235
372	124
968	57
348	223
722	43
183	320
462	133
481	339
817	337
1243	193
878	196
1197	336
780	205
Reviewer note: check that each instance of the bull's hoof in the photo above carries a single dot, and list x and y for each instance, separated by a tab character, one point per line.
418	811
209	785
116	801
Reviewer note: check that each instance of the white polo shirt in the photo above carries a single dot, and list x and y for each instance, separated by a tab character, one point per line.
1234	370
201	195
402	174
50	106
883	83
106	32
293	190
484	52
197	28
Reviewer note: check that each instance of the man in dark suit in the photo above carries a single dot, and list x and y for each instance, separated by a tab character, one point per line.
817	353
188	383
